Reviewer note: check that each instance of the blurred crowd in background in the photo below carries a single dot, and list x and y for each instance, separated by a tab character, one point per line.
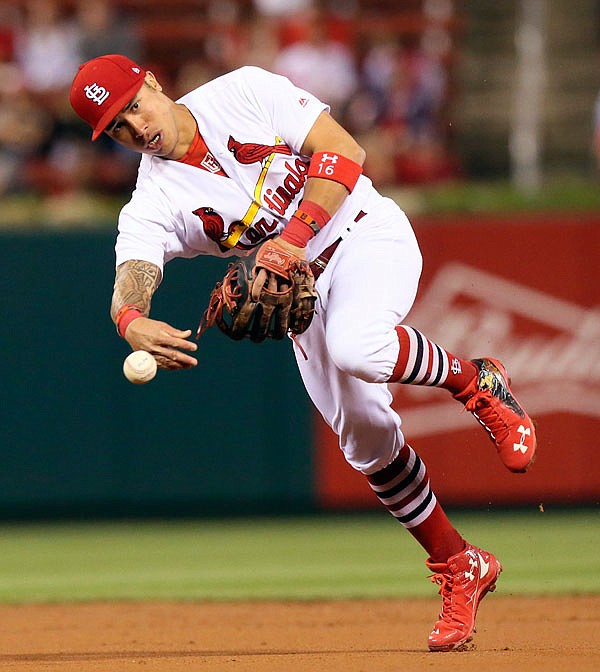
386	72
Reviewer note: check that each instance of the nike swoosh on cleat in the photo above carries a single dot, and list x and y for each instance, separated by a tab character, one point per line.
484	566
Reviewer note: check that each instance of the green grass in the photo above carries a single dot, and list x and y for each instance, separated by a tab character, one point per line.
331	557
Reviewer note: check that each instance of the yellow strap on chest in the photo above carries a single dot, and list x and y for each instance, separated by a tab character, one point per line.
236	232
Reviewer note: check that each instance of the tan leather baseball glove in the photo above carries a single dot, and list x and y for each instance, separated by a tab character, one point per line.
273	298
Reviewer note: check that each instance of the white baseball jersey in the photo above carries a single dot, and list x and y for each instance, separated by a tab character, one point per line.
254	124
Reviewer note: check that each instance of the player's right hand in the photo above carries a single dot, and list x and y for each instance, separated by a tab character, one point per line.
168	344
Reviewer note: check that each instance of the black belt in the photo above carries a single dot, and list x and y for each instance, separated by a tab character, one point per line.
318	265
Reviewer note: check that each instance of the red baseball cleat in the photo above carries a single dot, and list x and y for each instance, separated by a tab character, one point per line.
489	398
464	581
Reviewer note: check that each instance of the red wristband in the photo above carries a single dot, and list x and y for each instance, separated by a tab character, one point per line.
125	316
305	223
336	167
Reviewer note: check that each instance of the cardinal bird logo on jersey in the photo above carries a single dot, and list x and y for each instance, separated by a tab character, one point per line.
214	226
247	153
212	223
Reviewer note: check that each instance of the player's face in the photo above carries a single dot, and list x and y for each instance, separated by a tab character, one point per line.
151	123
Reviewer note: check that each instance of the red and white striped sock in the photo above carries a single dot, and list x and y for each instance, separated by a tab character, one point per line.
403	488
423	362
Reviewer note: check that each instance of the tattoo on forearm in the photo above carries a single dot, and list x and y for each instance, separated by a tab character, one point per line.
135	282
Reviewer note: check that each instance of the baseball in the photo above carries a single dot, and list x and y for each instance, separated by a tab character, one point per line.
139	367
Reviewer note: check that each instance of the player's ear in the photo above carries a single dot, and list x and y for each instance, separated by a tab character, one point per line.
152	82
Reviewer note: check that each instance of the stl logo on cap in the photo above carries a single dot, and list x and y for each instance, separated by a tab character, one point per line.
96	93
102	87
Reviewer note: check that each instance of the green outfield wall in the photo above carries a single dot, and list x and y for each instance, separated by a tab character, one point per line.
76	438
238	435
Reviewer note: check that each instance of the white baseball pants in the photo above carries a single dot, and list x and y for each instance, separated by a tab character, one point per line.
349	352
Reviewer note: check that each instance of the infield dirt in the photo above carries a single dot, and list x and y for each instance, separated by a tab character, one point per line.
548	634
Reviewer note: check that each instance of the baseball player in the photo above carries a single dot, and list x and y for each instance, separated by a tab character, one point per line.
249	160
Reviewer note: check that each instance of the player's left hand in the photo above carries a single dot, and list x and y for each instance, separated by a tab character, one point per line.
273	298
261	274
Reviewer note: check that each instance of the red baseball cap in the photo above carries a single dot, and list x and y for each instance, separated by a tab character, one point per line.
102	87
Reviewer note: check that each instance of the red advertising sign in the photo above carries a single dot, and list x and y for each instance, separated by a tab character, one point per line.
525	290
